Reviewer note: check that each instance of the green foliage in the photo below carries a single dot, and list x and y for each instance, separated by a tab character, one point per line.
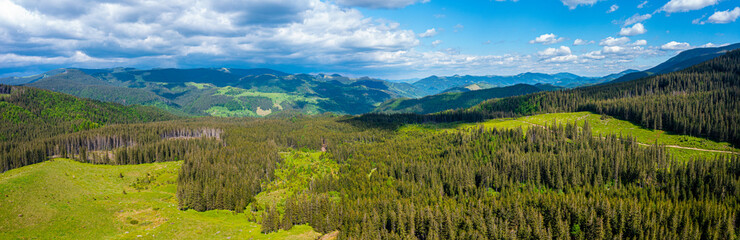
217	92
65	199
450	101
699	101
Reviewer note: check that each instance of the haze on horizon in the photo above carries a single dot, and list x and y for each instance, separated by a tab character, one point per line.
390	39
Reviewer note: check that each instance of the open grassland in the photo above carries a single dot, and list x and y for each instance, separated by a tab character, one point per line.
65	199
277	98
681	146
294	175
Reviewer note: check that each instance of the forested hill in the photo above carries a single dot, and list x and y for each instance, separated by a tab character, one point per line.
30	113
703	100
225	92
447	101
683	60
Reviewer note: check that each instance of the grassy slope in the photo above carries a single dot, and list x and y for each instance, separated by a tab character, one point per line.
447	101
276	98
608	125
293	176
63	199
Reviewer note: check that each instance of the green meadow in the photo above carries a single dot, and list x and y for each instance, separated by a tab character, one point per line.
601	125
65	199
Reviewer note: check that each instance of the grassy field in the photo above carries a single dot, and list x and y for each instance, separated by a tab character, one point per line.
220	111
600	126
277	98
293	175
64	199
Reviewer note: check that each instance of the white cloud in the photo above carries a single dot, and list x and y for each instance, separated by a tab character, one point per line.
429	33
636	19
387	4
572	4
687	5
312	34
725	16
612	8
594	55
580	42
610	41
295	32
562	59
436	43
548	38
636	29
641	5
712	45
673	45
557	55
640	42
561	51
612	49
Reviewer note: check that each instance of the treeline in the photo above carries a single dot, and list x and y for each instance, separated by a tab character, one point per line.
558	183
228	177
115	144
30	114
703	101
5	89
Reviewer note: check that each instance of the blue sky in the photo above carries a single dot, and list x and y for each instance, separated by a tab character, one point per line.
391	39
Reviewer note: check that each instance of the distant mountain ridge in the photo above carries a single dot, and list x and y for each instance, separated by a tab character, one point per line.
436	84
224	92
457	100
681	61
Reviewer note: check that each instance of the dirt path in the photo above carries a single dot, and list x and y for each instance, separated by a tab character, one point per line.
690	148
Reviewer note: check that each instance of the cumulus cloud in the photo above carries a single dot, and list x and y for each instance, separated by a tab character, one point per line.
436	42
581	42
673	45
429	33
727	16
610	41
557	55
686	5
594	55
312	34
548	38
296	31
612	8
636	19
549	52
640	42
636	29
387	4
572	4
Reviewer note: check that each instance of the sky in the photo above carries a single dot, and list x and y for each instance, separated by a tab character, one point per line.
389	39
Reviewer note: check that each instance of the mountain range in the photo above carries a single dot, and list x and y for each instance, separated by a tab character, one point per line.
683	60
261	91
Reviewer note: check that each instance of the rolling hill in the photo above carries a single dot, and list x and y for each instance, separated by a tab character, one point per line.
435	84
226	92
683	60
29	113
699	101
455	100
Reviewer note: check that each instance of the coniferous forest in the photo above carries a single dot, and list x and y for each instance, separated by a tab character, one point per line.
552	182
